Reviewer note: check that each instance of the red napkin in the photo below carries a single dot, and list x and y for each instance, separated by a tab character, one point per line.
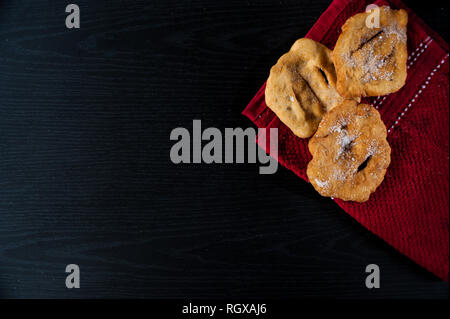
410	209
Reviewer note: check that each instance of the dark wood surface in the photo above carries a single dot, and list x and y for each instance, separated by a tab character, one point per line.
85	173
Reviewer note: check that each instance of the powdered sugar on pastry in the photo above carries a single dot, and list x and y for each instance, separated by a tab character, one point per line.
371	61
350	153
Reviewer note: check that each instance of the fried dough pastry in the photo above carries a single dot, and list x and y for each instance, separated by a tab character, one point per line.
350	152
371	61
301	87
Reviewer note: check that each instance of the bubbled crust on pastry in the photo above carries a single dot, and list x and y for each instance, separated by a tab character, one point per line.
301	87
372	61
350	153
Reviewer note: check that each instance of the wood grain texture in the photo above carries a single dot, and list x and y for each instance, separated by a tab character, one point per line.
85	173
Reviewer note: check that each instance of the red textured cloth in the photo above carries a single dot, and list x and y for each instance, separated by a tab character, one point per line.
410	209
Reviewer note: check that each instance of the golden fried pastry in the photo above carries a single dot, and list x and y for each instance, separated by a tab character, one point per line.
301	87
350	153
371	61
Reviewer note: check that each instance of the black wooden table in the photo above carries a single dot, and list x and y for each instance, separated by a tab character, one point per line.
85	173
